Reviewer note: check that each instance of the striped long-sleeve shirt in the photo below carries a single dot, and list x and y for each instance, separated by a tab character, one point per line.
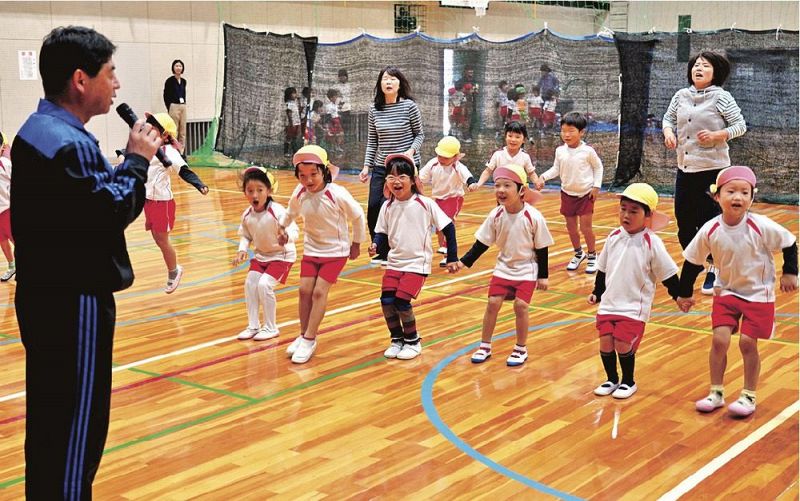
394	129
726	106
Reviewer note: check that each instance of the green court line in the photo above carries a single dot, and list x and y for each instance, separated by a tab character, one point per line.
194	385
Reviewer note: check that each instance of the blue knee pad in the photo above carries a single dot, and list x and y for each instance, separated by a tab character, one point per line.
387	298
402	304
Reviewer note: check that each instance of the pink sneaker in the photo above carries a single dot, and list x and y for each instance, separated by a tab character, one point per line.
713	401
743	407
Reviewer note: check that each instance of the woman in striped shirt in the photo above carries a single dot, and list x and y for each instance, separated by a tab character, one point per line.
395	126
700	121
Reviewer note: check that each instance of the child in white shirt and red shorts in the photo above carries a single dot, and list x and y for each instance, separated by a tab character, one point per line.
742	244
404	223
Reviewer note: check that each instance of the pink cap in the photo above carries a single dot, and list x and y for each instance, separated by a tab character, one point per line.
740	172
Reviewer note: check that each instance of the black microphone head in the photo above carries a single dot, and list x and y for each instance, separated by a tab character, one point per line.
126	113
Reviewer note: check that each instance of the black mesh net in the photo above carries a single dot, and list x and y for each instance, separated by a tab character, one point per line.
456	85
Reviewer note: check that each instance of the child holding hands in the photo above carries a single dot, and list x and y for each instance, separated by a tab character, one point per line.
633	260
272	261
326	209
521	234
742	244
404	223
447	176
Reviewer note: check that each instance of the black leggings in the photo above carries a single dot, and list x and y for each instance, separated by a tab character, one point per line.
693	203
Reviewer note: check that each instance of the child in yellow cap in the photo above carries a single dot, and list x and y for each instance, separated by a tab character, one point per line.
632	261
447	176
159	204
742	244
6	239
521	234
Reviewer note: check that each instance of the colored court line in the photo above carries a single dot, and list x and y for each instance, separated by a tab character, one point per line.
266	398
433	415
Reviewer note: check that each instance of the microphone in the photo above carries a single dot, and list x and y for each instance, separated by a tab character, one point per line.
126	113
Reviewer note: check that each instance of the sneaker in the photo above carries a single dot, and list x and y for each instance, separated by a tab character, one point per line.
714	400
708	283
482	354
305	349
293	346
442	250
8	274
378	261
516	358
576	260
606	388
410	351
172	283
247	334
624	391
264	334
393	349
743	407
591	263
443	263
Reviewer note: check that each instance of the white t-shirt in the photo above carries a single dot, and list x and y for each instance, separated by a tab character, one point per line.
344	90
446	181
261	229
5	184
326	214
516	236
502	158
743	254
634	264
331	109
408	224
580	169
158	185
294	113
535	101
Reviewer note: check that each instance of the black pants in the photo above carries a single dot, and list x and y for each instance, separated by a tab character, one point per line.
68	339
374	204
693	205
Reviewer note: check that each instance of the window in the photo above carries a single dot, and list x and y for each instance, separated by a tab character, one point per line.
408	17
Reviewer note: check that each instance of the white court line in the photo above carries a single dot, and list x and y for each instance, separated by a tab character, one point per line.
738	448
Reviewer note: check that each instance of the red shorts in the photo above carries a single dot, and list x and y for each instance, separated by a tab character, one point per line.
279	270
450	206
327	268
504	111
622	328
5	225
758	319
406	284
576	206
510	289
159	215
335	127
291	132
535	113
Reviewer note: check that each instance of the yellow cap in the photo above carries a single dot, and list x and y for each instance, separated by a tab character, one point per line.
168	123
448	147
273	182
3	140
513	172
642	193
312	154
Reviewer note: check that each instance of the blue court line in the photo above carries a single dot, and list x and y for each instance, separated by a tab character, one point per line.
9	341
433	415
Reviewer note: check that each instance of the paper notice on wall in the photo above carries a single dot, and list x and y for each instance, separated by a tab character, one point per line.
27	65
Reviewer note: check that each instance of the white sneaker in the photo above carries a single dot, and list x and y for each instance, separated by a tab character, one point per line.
714	400
410	351
264	334
591	263
576	260
743	407
8	274
443	263
624	391
247	334
293	346
516	358
305	349
442	250
606	388
393	349
172	283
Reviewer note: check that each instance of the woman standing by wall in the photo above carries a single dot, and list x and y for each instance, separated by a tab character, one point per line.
395	126
699	122
175	99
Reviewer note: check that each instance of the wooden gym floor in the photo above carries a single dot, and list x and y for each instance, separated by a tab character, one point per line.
198	414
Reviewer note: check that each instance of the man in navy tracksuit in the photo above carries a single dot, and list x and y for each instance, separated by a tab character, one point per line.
70	210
